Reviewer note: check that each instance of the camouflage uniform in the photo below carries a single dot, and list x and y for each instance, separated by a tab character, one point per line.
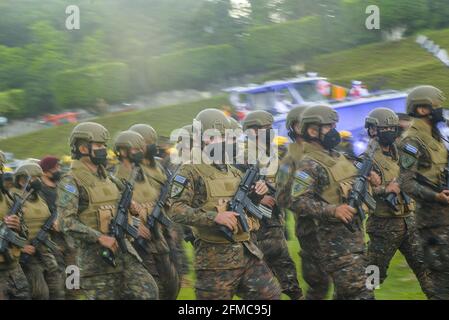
391	230
424	154
86	202
317	280
156	254
222	268
316	191
13	283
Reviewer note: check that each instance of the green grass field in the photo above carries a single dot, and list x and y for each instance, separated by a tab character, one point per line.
397	65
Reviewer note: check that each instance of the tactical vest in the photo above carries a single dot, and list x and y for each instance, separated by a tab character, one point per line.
14	251
219	185
103	196
422	132
389	170
340	170
35	213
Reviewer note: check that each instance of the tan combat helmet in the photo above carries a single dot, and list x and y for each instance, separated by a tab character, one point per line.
146	131
294	115
89	132
382	117
129	139
318	114
258	118
213	119
28	169
424	96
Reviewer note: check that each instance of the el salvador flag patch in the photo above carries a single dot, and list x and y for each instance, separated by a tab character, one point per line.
410	149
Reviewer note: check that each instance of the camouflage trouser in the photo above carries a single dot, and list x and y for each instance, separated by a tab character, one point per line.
387	235
277	257
133	283
14	284
254	281
44	277
64	257
164	272
348	276
178	254
317	280
436	259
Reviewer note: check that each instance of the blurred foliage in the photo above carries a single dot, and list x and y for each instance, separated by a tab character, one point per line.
172	44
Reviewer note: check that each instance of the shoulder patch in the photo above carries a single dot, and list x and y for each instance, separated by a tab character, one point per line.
302	181
410	149
407	160
70	188
179	183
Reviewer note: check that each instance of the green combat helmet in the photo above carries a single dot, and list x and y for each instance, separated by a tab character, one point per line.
129	139
234	124
258	118
28	169
382	117
146	131
89	132
294	115
213	119
424	96
317	114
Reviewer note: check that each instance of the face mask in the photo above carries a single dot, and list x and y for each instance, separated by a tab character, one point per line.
36	185
152	151
56	176
99	157
437	115
136	158
387	138
331	139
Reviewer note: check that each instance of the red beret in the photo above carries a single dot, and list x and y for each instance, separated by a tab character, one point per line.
48	163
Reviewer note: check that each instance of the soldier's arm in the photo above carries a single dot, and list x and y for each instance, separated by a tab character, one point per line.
181	200
67	204
308	182
283	185
410	152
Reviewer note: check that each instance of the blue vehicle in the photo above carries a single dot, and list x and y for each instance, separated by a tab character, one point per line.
278	97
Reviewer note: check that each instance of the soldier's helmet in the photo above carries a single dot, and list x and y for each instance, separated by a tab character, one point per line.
28	169
146	131
294	115
90	132
424	96
234	124
317	114
213	119
382	117
129	139
258	118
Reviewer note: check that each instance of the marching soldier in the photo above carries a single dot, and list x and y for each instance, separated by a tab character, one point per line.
424	169
198	199
392	226
167	244
271	237
153	248
319	190
86	201
38	262
317	279
13	282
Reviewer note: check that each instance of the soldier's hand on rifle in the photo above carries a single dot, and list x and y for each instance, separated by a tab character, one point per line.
136	209
374	179
268	201
28	249
393	186
345	213
228	219
144	232
108	242
260	187
13	222
443	197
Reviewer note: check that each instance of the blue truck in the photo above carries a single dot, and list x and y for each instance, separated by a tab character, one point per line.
277	97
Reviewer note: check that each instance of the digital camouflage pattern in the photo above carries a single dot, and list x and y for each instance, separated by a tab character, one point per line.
14	284
235	266
343	255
